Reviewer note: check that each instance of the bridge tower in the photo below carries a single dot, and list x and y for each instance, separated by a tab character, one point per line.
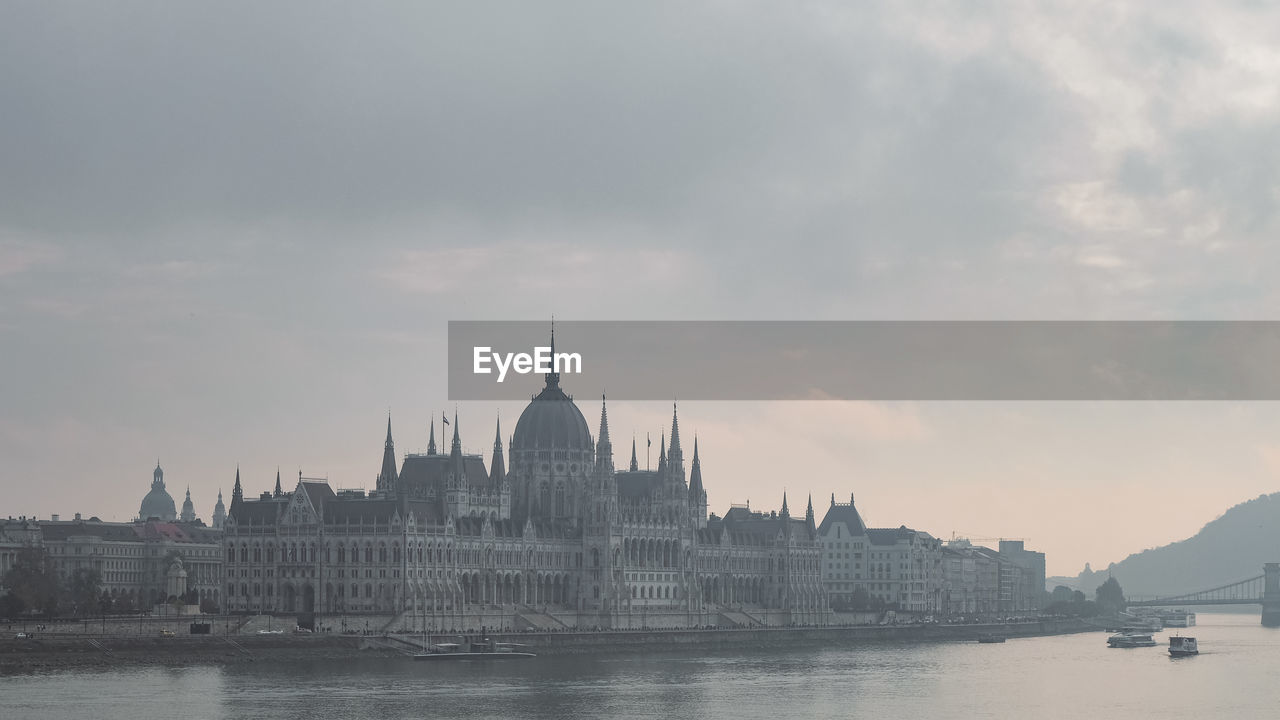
1271	594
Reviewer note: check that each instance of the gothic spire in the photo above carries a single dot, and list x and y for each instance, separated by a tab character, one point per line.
675	434
808	513
785	512
237	494
498	470
662	453
695	475
456	446
634	466
431	441
604	448
387	477
279	490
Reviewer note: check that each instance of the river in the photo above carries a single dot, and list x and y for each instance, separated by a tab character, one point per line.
1049	677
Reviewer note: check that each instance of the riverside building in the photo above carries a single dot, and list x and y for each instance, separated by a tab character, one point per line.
558	538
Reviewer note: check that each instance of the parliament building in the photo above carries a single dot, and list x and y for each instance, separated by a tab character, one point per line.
549	536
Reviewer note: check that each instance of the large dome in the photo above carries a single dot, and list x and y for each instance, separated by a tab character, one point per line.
551	421
158	504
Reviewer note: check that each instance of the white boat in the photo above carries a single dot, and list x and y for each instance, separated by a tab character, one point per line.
1178	618
1131	640
484	650
1182	646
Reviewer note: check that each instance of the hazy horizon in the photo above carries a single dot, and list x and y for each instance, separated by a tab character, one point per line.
232	235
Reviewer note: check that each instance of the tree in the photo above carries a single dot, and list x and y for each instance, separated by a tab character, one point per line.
33	581
84	590
1110	596
11	605
1061	593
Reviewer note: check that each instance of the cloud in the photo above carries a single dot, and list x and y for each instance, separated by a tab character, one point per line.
17	256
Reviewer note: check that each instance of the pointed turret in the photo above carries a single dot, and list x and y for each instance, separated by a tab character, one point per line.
387	476
785	512
695	475
808	513
675	455
456	447
634	466
431	439
604	448
219	512
662	454
279	491
498	470
188	508
237	494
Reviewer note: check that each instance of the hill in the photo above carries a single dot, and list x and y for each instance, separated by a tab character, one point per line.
1232	547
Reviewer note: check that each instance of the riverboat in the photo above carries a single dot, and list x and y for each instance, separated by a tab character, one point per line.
484	650
1131	640
1183	646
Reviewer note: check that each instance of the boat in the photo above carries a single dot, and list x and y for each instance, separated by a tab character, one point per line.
1131	640
1178	618
986	639
482	650
1180	646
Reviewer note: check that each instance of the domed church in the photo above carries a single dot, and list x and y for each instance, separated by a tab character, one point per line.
559	539
157	503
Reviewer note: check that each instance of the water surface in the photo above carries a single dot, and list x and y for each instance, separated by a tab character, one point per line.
1235	675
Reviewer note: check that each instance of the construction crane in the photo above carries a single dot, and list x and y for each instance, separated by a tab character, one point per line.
977	540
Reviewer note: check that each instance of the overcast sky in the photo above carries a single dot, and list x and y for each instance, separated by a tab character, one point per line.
232	233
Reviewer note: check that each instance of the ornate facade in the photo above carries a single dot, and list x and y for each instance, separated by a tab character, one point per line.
559	538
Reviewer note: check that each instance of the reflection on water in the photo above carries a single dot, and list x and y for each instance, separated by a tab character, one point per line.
1031	677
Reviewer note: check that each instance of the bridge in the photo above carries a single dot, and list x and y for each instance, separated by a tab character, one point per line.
1261	590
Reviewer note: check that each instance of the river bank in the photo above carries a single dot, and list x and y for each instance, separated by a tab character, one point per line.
69	651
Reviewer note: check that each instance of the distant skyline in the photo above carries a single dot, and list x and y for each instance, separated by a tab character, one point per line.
233	234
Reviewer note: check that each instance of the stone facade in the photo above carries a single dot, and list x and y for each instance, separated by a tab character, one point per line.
561	538
910	570
132	559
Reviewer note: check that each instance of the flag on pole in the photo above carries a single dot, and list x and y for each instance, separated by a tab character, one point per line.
647	442
445	418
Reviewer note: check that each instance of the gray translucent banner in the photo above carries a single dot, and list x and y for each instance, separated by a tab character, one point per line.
863	360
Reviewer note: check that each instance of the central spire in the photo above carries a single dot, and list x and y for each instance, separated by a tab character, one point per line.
431	441
553	377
